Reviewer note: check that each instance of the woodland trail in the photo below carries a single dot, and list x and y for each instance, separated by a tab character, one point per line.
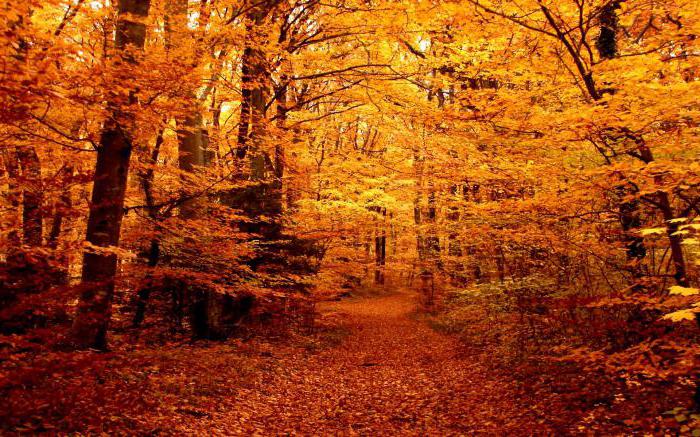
391	375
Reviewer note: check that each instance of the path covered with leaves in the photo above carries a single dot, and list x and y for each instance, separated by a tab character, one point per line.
390	374
374	367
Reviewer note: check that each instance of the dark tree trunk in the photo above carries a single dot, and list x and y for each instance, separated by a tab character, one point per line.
26	161
145	293
154	249
631	222
607	38
61	208
606	43
380	246
107	204
14	197
254	84
33	196
675	240
254	160
246	91
281	94
192	142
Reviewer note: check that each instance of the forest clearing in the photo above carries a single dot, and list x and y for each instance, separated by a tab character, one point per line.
350	217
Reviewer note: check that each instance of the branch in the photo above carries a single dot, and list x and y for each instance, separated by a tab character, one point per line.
513	18
340	70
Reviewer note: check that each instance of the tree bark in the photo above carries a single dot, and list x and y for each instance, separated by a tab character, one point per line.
255	161
14	199
380	245
191	137
108	192
192	143
606	43
61	207
607	38
675	240
154	249
33	196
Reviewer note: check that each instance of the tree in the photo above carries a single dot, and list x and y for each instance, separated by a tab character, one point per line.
109	189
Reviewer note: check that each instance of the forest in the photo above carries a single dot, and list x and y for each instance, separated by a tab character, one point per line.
350	217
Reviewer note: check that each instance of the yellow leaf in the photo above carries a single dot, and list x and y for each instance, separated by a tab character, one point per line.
683	291
681	315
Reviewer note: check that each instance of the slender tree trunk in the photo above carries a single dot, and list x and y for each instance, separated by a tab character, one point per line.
382	246
246	91
664	205
432	242
675	240
418	164
424	242
454	247
281	94
631	222
61	207
379	245
214	134
26	162
192	142
14	197
154	248
606	43
33	196
108	192
144	293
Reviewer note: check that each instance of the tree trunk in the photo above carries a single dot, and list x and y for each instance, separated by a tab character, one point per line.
606	43
108	192
255	161
14	199
607	38
631	222
254	84
154	249
281	95
192	143
33	196
380	245
675	240
191	138
61	207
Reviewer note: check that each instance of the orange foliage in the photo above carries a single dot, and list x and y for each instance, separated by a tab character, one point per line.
181	170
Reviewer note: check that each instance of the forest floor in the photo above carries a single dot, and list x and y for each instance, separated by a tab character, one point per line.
373	367
387	373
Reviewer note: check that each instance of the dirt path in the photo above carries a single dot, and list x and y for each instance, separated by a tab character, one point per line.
391	375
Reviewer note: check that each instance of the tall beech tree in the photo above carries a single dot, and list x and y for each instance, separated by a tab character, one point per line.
109	186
